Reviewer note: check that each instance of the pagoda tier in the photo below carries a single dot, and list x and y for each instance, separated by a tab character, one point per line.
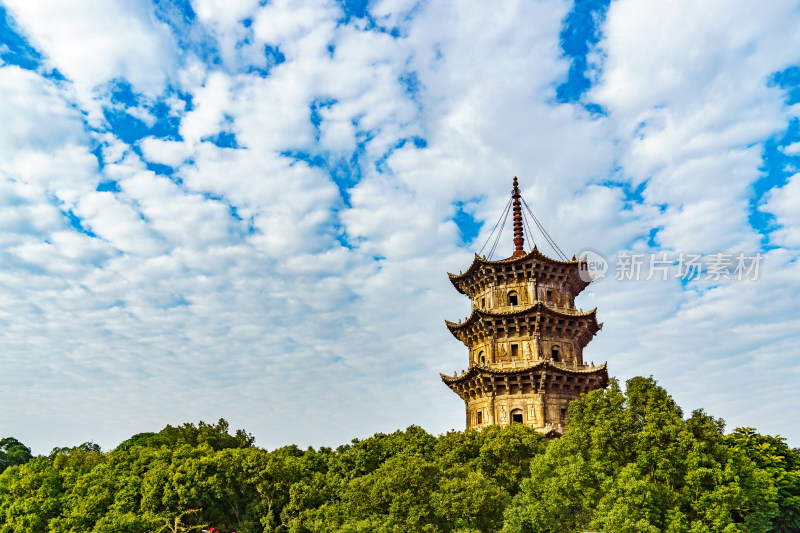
524	321
526	333
537	395
543	377
534	271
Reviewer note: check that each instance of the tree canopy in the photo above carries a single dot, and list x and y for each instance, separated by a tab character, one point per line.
629	462
13	452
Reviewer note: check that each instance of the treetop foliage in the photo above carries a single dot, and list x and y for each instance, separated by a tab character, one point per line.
214	435
13	452
629	462
782	463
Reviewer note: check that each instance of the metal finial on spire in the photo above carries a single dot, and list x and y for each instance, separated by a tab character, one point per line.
519	238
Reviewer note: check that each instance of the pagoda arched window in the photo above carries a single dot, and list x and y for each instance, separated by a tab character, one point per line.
482	357
516	416
513	298
554	353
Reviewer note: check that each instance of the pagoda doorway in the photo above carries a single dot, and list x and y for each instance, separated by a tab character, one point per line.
516	416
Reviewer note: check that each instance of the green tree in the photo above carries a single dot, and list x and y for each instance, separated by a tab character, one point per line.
630	462
782	463
394	497
405	481
142	486
114	522
290	483
502	454
216	436
30	496
467	500
506	453
12	453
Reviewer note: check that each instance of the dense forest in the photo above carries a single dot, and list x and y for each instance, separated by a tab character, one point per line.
630	462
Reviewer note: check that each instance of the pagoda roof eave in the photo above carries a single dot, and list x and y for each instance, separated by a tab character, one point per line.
479	261
479	313
541	365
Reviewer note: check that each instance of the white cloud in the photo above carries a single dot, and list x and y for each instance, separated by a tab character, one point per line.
96	41
792	149
224	22
287	21
226	13
28	102
686	86
311	260
119	224
783	202
210	103
172	153
170	212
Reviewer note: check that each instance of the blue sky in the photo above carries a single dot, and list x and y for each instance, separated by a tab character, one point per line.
247	209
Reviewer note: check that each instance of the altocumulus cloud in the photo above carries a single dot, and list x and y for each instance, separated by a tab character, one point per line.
247	211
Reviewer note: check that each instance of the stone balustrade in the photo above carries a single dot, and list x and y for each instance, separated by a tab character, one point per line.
526	362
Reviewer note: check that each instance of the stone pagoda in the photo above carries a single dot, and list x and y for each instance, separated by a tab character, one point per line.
525	338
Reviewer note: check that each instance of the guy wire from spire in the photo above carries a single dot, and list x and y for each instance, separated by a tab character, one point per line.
528	229
502	216
550	240
501	222
499	233
527	225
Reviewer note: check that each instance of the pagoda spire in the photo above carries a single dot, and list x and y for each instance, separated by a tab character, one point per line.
519	239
